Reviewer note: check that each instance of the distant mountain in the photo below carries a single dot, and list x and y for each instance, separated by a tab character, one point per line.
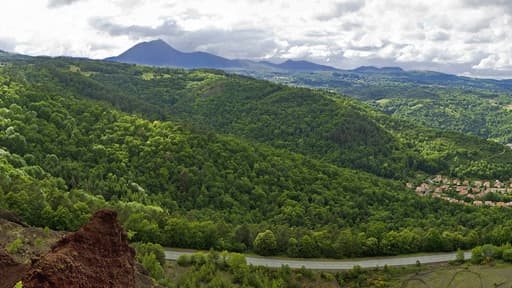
373	69
300	65
159	53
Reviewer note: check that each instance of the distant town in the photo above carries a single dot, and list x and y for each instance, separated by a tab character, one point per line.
475	193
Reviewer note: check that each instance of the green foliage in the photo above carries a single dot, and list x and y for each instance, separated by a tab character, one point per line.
477	255
212	272
150	248
459	257
265	243
14	246
475	106
152	265
184	260
507	255
152	258
18	285
68	149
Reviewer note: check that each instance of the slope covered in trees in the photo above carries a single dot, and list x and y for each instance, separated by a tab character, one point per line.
475	106
64	154
321	125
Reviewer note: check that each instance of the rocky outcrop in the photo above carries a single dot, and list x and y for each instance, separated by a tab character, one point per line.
10	270
97	255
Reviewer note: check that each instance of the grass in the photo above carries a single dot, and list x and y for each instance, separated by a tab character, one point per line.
480	276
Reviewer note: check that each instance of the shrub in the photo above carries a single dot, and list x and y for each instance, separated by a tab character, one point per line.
14	246
459	258
184	260
147	248
507	255
477	255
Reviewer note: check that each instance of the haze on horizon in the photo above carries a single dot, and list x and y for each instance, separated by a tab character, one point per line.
465	37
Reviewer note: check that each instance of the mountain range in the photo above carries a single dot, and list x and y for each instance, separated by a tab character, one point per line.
479	107
159	53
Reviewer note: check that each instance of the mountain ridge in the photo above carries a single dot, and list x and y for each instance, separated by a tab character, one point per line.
160	53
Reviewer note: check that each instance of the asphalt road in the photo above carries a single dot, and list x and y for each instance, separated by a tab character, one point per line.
337	265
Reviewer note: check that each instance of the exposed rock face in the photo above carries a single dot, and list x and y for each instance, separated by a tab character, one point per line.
10	270
97	255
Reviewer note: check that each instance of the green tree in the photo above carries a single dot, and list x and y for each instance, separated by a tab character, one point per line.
265	243
507	255
477	255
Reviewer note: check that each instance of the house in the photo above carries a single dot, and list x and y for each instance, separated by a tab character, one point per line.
487	184
466	183
501	204
479	184
478	203
489	203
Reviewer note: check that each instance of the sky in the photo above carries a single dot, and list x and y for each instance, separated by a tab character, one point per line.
464	37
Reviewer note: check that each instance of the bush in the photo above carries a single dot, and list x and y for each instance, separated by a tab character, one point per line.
14	246
477	255
265	243
507	255
147	248
152	265
198	259
184	260
459	258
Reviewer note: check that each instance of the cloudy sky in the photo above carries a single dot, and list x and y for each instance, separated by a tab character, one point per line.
469	37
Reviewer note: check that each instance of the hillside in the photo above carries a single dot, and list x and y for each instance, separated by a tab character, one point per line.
475	106
321	125
67	150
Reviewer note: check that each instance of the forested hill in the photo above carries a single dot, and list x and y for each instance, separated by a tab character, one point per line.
324	126
65	151
479	107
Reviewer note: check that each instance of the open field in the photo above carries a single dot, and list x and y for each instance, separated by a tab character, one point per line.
460	277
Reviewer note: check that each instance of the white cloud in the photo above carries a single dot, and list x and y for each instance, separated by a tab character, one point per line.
463	36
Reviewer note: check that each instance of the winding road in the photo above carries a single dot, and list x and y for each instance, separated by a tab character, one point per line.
273	262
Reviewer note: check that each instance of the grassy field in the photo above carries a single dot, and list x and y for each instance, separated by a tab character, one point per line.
499	275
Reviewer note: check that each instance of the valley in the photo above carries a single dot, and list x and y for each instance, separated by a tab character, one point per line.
204	159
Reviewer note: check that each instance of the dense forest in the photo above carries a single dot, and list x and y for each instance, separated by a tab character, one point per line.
321	125
203	159
479	107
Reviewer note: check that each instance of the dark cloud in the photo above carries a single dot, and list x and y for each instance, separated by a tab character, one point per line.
241	43
341	8
60	3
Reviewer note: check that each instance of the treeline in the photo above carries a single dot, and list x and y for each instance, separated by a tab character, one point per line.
224	269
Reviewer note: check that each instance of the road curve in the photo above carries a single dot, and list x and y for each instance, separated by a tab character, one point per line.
336	265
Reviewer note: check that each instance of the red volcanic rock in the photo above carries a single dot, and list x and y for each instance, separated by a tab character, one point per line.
10	270
97	255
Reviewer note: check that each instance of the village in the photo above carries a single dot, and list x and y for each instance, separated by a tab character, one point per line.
475	193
